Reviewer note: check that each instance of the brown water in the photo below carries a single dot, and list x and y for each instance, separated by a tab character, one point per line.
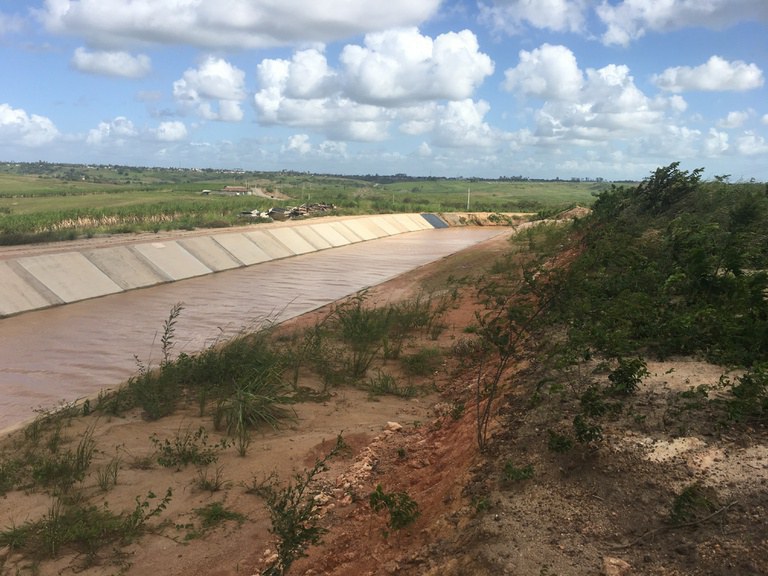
74	351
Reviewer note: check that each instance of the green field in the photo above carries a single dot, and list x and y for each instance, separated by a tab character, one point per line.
45	202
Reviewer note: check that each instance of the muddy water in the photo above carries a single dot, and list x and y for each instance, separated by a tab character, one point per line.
74	351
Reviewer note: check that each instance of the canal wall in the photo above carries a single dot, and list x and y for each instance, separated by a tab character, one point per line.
41	279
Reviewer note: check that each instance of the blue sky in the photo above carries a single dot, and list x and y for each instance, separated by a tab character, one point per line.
539	88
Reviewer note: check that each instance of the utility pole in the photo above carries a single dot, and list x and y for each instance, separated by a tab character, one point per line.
468	192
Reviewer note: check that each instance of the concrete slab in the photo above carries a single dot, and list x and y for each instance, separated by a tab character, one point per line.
345	231
269	244
290	238
210	253
387	225
242	248
69	275
330	234
171	259
419	221
311	235
435	221
407	221
360	227
19	295
125	268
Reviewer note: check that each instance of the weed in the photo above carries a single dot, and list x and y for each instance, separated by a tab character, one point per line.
107	475
258	401
211	482
383	384
363	329
402	509
511	473
214	514
693	501
293	513
425	362
557	442
457	410
187	447
628	376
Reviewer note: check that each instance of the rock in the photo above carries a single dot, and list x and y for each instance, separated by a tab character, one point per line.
394	426
615	567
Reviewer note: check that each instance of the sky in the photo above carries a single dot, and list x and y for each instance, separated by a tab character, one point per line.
566	89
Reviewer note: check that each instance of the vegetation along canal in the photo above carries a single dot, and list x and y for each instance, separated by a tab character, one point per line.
71	352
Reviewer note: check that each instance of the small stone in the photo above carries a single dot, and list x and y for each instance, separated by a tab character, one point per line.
615	566
394	426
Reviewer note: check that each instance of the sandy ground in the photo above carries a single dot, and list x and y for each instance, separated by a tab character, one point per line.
601	511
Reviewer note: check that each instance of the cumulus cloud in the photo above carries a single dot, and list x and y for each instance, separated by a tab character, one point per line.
171	131
395	76
628	20
228	23
115	132
585	107
111	63
716	143
716	75
734	119
462	124
298	143
511	16
29	130
215	80
402	66
751	144
548	72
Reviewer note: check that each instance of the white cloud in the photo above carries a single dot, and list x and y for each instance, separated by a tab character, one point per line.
585	107
557	15
717	74
402	66
393	78
171	131
734	119
228	23
548	72
461	124
631	19
115	132
765	119
214	80
716	143
751	144
18	127
298	143
111	63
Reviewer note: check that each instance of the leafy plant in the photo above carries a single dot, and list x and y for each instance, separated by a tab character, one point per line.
627	376
511	473
214	514
187	447
693	501
294	514
402	509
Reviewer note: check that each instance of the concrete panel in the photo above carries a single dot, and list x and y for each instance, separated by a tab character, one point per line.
420	221
330	234
242	248
125	268
69	275
345	231
290	238
360	227
18	295
310	235
387	225
409	222
435	221
172	259
269	244
210	253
